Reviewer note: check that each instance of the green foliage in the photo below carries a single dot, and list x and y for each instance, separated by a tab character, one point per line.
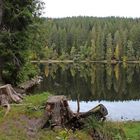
132	130
109	48
63	135
24	36
93	123
32	106
37	99
64	56
27	72
93	38
73	52
106	129
35	104
92	52
18	19
130	51
117	52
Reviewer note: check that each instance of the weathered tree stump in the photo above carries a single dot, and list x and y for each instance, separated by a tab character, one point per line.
8	95
58	114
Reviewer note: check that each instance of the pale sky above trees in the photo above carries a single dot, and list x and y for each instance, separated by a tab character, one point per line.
99	8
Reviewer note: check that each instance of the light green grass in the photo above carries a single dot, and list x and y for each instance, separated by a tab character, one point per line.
14	125
132	130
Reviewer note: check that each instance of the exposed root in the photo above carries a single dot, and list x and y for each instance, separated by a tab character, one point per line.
7	110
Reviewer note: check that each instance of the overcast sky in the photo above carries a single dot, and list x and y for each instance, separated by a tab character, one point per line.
99	8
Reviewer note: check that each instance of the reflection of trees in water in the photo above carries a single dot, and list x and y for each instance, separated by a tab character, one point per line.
108	78
130	73
93	81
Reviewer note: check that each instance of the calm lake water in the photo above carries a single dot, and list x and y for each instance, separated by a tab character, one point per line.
115	86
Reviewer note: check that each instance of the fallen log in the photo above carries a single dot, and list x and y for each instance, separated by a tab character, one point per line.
29	84
58	114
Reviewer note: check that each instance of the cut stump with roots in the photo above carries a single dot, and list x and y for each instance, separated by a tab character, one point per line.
9	95
58	114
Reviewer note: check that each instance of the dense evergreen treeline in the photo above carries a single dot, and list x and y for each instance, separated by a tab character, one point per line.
93	38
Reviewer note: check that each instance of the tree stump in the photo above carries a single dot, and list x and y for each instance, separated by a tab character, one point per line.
8	95
56	114
59	114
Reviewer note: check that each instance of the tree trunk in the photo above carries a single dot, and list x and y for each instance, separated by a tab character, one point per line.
1	14
1	11
1	81
1	59
1	67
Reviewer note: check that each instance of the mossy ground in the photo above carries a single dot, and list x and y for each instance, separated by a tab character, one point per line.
21	117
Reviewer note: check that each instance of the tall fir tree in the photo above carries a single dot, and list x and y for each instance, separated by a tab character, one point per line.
109	49
18	17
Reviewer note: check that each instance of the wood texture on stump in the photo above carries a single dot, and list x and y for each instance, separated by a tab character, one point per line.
8	95
58	113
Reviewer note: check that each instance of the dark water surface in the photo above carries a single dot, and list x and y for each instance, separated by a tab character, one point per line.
116	86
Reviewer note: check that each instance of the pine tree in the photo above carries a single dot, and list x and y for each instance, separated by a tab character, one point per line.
92	52
130	51
109	47
117	44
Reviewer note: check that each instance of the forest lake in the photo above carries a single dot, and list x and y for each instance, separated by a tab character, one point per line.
115	86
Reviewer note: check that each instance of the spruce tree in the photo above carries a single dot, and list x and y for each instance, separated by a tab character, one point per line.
109	47
18	17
